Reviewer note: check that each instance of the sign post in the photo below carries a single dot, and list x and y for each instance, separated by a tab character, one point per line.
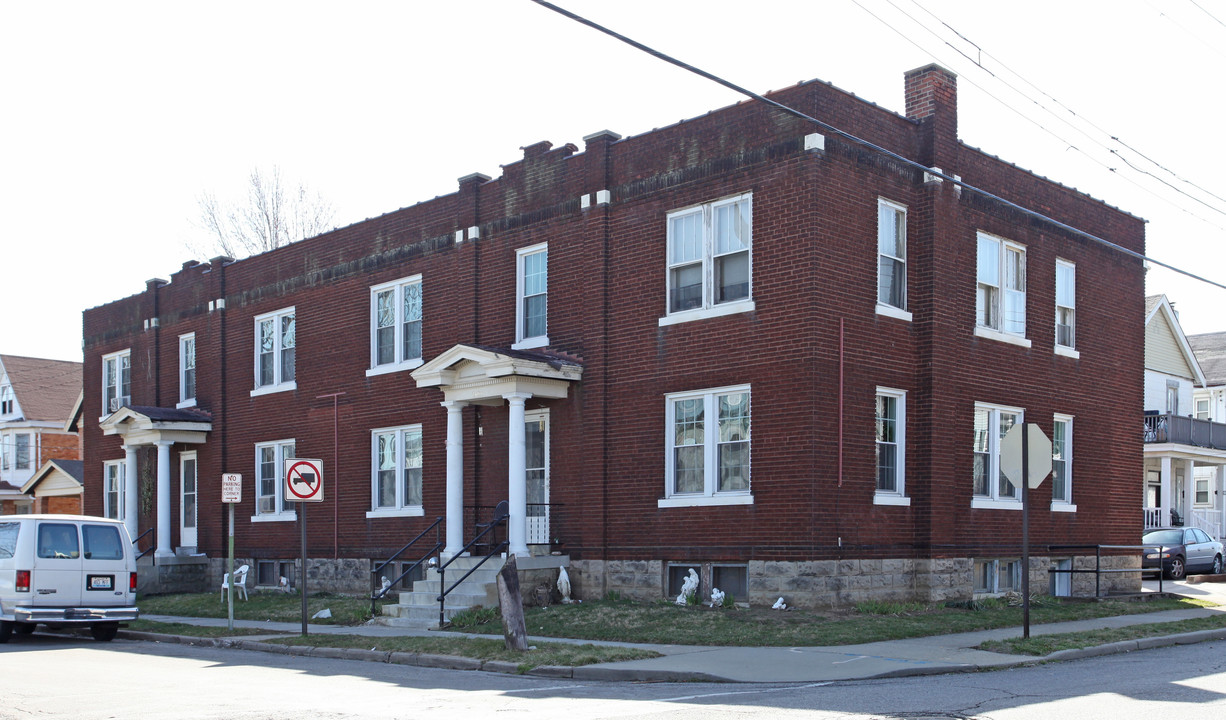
231	494
1025	459
304	483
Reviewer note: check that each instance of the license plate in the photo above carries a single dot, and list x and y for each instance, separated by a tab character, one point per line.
101	582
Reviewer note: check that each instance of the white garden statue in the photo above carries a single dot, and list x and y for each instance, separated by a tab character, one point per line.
689	587
564	586
717	597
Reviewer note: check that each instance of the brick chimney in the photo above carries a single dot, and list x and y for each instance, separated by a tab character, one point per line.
932	101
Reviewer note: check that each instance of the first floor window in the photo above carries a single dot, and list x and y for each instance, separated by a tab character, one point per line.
708	442
991	424
1202	489
997	576
1062	460
113	474
891	441
396	463
21	452
270	477
275	347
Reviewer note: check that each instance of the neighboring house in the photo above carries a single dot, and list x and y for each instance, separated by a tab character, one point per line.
36	398
736	343
57	487
1185	452
1208	491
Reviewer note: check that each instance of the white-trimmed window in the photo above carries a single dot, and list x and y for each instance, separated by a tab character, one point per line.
116	381
395	471
991	487
1000	298
113	474
707	444
1201	406
270	480
891	424
891	258
395	326
21	451
275	342
532	297
6	399
1062	463
187	370
710	259
993	577
1066	304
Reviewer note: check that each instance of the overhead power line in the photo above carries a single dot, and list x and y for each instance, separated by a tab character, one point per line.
865	143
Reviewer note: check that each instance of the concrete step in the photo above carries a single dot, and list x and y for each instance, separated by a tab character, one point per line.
458	598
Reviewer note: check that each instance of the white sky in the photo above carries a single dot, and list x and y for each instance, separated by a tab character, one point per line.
114	117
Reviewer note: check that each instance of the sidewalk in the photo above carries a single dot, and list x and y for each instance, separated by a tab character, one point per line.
894	658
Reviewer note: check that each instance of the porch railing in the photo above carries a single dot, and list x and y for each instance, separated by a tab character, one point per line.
1208	520
1183	430
542	520
374	573
152	543
1153	517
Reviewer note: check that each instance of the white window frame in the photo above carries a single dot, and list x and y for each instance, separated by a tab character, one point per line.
399	508
29	450
709	307
994	499
1198	412
399	360
523	341
897	496
1011	565
282	511
891	219
187	363
279	382
992	294
7	400
114	479
710	494
1062	504
1066	301
118	359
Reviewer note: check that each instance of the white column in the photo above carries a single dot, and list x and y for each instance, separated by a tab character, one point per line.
1219	499
517	476
1165	499
455	477
1189	492
163	493
130	491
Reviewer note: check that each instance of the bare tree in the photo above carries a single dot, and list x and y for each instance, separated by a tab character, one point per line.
272	215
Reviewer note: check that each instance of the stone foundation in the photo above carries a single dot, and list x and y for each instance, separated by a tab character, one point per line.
173	575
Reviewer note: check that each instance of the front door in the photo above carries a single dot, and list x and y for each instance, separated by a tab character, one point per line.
187	500
536	433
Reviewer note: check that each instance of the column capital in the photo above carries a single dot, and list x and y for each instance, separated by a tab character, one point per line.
516	397
164	443
454	405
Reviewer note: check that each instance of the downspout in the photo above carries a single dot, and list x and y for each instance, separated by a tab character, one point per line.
220	267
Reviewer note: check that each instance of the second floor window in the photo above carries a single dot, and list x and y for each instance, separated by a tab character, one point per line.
1000	298
187	369
1066	304
395	325
6	399
274	351
116	381
891	254
709	254
532	292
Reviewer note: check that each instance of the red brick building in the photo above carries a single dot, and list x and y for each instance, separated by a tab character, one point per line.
736	343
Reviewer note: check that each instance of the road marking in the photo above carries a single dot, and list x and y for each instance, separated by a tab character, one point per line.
682	698
844	662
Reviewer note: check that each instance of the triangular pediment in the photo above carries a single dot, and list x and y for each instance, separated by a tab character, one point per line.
146	425
484	375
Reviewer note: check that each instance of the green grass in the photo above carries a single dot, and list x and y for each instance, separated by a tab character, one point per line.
1042	645
194	630
275	606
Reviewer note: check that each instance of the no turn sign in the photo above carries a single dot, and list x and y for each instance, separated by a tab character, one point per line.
304	480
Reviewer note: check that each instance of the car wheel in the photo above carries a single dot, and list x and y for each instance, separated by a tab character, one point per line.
6	629
1175	569
104	632
23	628
1217	565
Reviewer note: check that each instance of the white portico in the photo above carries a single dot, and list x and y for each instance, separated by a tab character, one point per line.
160	427
481	375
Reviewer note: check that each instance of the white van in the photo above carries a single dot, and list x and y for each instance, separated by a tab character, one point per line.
65	570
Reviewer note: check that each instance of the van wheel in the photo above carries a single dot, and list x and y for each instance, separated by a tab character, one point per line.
6	629
23	628
104	632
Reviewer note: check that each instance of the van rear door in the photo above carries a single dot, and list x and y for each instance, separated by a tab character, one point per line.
105	582
56	580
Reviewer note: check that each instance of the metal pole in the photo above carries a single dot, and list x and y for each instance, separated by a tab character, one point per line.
302	523
230	585
1025	531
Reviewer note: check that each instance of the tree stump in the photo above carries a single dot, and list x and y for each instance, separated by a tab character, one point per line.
514	630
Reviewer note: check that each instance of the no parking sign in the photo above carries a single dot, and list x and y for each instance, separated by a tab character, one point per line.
304	480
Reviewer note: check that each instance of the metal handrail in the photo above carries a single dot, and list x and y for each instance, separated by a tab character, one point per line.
1098	558
152	545
500	518
374	573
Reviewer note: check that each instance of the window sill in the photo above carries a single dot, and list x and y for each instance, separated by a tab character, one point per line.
531	343
394	367
732	308
1004	337
186	404
899	500
275	517
413	511
270	389
1063	507
894	312
677	501
1067	352
983	503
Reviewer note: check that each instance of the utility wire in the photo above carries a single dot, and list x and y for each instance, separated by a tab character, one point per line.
865	143
1211	15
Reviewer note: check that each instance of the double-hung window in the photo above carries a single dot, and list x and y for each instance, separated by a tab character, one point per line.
1000	297
395	326
113	474
707	445
270	460
993	577
21	451
396	461
892	259
1201	408
710	259
6	399
187	370
991	487
116	381
1066	306
1062	464
532	297
891	421
275	341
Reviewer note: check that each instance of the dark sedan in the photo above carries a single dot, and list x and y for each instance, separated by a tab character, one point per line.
1182	549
